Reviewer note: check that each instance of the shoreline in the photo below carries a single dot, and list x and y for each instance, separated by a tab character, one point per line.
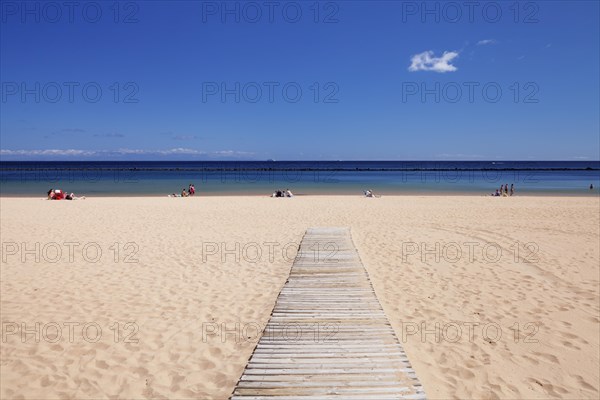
302	195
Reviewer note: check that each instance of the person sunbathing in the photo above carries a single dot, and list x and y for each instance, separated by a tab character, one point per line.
72	196
56	194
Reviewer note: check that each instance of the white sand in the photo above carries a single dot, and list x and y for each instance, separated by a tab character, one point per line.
171	291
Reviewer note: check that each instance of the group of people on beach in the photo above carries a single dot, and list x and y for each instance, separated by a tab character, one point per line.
191	190
282	193
504	191
57	194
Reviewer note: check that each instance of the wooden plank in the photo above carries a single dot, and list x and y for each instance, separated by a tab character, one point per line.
342	383
334	356
384	378
328	336
317	391
272	363
325	348
326	371
360	396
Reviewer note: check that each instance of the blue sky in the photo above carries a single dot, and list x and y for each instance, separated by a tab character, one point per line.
379	80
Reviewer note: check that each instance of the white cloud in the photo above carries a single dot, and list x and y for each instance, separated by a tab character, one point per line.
180	150
123	152
425	61
486	41
48	152
231	153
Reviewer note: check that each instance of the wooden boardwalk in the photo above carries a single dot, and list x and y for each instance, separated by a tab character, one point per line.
328	336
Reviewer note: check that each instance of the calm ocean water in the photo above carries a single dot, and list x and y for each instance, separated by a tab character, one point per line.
156	178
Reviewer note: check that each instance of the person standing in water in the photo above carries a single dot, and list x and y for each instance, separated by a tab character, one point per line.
512	189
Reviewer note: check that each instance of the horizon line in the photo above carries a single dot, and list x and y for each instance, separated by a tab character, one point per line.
307	160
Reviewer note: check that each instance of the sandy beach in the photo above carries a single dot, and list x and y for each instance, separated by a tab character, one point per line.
159	297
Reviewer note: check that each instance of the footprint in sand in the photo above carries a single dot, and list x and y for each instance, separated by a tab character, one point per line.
56	347
584	384
45	382
570	345
549	357
466	374
207	365
215	352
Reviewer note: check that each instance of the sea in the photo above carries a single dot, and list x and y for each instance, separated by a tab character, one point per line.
161	178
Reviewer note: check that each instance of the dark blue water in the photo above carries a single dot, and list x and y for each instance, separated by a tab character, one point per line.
143	178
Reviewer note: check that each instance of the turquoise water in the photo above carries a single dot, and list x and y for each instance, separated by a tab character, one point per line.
139	178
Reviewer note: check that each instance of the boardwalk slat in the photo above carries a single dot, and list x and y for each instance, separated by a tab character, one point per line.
247	384
328	336
317	371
